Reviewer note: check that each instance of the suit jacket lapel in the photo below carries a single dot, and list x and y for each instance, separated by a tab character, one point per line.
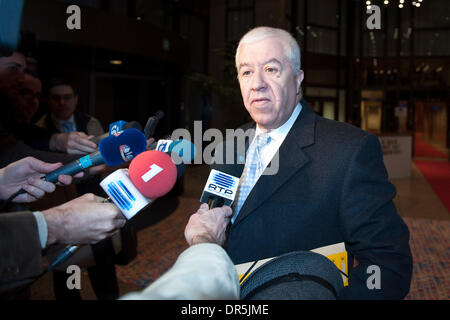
291	159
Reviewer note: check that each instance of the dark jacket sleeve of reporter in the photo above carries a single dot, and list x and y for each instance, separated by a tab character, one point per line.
20	250
374	232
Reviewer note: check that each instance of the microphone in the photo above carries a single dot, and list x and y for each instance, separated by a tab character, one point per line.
129	125
151	175
113	151
222	184
151	124
220	189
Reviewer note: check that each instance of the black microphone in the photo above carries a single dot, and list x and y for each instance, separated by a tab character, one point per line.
128	125
151	124
113	151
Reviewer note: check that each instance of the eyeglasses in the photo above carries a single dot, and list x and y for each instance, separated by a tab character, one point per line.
65	97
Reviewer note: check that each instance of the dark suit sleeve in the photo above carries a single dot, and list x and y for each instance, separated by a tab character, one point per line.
374	232
20	249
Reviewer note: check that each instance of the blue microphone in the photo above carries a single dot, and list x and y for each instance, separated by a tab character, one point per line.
112	150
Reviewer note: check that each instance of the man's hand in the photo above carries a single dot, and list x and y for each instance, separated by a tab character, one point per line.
84	220
208	225
26	174
72	143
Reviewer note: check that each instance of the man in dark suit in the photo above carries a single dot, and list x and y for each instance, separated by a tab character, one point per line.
330	185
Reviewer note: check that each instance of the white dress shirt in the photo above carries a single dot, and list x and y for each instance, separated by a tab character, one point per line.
277	136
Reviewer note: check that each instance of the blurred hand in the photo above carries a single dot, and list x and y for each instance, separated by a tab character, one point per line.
84	220
26	173
208	225
73	143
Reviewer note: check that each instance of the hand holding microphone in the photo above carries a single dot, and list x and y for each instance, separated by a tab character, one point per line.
208	226
113	151
26	174
84	220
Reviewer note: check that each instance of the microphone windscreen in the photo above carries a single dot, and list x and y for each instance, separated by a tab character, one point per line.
116	150
184	149
153	173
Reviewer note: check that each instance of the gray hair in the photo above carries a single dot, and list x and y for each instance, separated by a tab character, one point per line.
291	46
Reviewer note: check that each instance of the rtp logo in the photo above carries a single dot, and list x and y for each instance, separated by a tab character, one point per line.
222	185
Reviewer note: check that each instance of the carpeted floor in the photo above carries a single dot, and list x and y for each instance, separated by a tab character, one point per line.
430	247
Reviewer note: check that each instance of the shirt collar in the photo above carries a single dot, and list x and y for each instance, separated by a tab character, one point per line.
281	132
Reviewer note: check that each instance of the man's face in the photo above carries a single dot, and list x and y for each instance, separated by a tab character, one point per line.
27	101
269	88
62	101
11	74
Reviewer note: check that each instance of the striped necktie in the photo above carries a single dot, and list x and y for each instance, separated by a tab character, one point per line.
252	171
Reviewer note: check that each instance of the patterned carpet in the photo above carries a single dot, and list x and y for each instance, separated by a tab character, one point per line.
430	247
160	244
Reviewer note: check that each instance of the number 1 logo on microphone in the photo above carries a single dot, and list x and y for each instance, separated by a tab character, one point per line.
154	170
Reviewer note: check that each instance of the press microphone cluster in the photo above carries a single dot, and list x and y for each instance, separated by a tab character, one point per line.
151	175
112	151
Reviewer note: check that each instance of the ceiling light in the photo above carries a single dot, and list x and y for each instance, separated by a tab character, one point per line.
386	2
368	2
402	1
115	62
418	4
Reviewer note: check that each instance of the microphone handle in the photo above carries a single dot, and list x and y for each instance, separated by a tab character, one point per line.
90	160
151	124
63	256
215	202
